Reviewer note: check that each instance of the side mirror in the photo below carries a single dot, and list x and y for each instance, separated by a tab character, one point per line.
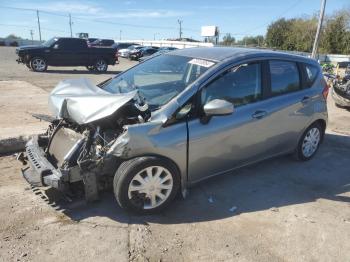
56	46
218	107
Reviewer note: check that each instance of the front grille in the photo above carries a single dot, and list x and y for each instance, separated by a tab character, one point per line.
33	159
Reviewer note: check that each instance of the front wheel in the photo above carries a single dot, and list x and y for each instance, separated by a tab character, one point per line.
309	142
101	66
146	185
38	64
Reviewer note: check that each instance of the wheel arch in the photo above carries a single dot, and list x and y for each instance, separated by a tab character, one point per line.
323	125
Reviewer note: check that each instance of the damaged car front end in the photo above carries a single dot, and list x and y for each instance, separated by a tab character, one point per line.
74	148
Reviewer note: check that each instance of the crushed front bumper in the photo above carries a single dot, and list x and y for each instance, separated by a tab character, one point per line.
40	172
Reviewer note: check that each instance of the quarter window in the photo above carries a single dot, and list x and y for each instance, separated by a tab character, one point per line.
240	85
284	77
311	74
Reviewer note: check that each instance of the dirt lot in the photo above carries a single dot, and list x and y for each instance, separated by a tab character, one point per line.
278	210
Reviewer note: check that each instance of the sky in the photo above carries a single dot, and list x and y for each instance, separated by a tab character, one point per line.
151	19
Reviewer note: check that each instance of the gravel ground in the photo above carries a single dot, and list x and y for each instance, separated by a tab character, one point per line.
278	210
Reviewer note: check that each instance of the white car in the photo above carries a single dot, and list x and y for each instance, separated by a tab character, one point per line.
125	52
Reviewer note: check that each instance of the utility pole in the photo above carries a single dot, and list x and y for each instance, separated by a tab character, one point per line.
31	34
180	32
37	15
120	34
70	25
154	35
319	26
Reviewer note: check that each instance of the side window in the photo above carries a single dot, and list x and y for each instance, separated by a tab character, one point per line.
240	85
311	74
284	77
68	44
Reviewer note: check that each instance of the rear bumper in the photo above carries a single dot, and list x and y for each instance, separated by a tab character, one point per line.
40	172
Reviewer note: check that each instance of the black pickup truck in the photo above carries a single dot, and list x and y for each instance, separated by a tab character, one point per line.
60	51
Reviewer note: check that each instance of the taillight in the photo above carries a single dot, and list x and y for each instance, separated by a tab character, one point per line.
325	90
116	56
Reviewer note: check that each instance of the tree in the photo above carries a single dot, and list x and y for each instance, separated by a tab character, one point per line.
277	33
13	36
228	40
336	34
298	34
252	40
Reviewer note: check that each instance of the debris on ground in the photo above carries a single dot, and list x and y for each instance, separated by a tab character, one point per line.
233	209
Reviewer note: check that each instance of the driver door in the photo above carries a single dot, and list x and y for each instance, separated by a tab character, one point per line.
228	141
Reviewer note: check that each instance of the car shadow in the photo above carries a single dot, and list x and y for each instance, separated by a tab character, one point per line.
271	184
81	72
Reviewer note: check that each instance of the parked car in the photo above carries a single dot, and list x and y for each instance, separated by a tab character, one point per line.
61	51
91	40
119	46
151	131
102	42
142	52
344	64
125	52
160	51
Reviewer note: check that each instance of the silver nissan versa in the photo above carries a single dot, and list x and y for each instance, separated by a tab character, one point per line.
178	118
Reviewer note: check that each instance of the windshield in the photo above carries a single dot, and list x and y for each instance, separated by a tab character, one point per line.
50	42
160	79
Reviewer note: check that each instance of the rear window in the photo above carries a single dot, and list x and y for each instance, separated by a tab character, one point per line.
284	77
311	74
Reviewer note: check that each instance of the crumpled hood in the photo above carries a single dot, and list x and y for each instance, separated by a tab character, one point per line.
83	102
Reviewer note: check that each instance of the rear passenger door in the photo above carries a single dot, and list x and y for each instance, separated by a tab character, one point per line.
288	105
71	52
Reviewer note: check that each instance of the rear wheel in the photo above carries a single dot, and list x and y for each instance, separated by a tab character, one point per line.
146	185
309	142
38	64
101	66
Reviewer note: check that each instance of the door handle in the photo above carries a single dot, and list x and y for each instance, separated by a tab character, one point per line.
259	114
305	99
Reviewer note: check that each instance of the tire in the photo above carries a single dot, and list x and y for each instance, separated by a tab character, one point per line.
339	106
38	64
309	142
101	66
133	188
90	68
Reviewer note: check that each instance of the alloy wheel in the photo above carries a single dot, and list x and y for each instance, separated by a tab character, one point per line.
101	65
38	64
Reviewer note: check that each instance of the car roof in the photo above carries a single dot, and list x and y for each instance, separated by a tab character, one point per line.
219	54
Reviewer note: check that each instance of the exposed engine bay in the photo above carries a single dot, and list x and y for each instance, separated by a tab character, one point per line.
78	138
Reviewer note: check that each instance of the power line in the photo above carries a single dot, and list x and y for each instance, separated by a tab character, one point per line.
96	20
42	28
